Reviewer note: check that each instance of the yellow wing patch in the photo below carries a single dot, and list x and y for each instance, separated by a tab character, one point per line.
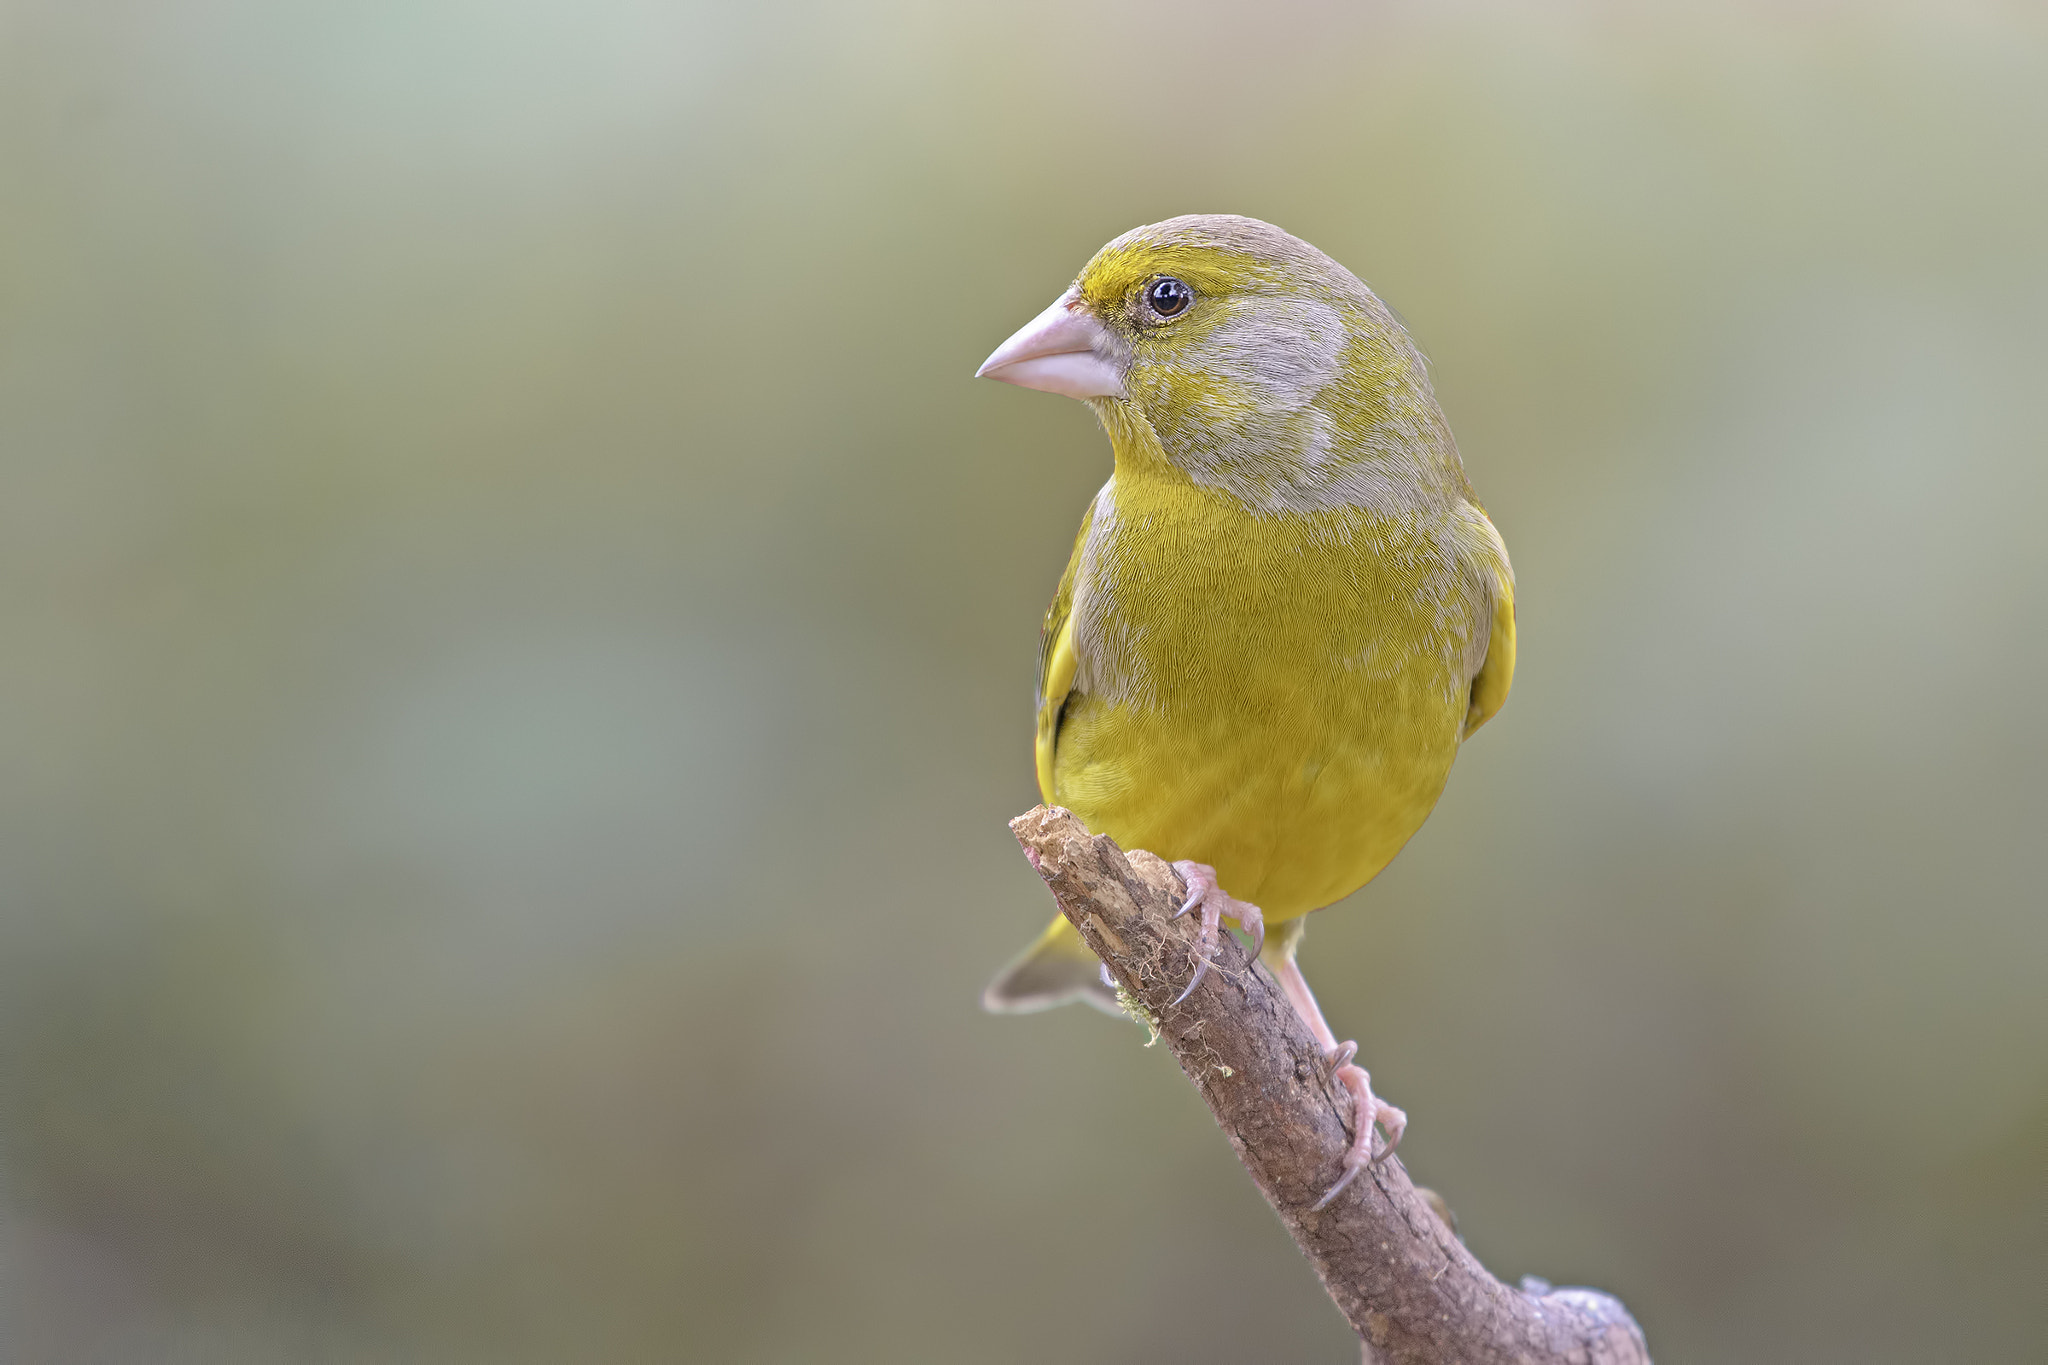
1056	662
1497	673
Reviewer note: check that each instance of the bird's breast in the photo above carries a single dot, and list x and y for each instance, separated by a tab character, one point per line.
1278	696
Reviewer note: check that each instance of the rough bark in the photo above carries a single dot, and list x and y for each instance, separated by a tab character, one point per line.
1402	1278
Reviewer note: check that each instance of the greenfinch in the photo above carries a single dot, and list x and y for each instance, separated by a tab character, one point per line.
1283	613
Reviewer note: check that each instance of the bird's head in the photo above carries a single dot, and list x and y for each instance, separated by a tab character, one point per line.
1244	357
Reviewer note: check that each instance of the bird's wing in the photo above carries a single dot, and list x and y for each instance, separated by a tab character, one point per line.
1056	662
1497	673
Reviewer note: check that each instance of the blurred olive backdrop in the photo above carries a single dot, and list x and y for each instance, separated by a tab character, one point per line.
519	635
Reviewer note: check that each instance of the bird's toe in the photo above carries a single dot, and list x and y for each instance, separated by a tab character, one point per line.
1369	1113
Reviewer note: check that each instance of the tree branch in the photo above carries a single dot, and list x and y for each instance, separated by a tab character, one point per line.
1402	1278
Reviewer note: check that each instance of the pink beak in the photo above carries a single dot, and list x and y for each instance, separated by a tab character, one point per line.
1062	350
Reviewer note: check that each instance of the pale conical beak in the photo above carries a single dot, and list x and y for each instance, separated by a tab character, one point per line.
1062	350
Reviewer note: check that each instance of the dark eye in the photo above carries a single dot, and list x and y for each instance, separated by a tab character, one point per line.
1168	296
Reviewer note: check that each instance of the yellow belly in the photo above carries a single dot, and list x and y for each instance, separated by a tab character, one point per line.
1280	698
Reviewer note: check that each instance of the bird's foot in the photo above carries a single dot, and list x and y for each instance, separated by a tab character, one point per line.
1369	1111
1214	903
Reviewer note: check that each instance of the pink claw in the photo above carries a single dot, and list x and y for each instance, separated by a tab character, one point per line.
1214	903
1368	1111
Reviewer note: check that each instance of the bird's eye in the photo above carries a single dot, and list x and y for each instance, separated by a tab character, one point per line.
1168	296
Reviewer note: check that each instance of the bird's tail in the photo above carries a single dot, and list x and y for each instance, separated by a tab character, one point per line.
1058	968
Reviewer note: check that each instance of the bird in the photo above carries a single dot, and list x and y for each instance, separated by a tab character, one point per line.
1284	612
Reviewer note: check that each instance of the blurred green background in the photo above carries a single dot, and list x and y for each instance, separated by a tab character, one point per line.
519	651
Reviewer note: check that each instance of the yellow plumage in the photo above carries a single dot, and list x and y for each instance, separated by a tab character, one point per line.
1284	611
